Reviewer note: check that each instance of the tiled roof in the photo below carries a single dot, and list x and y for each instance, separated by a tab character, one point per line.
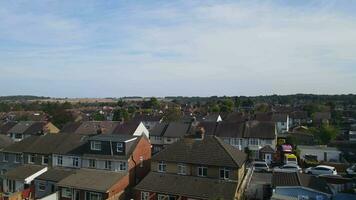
22	172
208	151
188	186
260	129
92	180
55	174
299	179
177	129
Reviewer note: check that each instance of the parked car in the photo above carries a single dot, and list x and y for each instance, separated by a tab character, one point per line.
260	166
351	170
288	168
321	170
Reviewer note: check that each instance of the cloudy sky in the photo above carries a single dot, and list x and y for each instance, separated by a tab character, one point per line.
118	48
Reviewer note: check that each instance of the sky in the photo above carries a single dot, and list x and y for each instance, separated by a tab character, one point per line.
86	48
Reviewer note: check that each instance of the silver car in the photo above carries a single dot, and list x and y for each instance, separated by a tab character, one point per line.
288	168
260	166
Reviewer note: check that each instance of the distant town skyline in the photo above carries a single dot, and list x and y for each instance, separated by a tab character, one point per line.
177	48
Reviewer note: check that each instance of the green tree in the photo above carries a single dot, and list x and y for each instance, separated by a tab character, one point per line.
121	114
173	114
227	106
97	116
325	133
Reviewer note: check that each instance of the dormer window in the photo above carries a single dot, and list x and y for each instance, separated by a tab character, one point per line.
120	147
95	145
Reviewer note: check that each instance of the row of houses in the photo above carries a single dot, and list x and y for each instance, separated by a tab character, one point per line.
117	166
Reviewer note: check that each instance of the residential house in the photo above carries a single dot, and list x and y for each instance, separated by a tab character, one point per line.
150	121
298	118
20	181
92	184
122	160
320	118
167	133
133	128
251	135
320	152
46	183
300	186
202	168
92	127
210	118
25	129
6	126
282	122
5	141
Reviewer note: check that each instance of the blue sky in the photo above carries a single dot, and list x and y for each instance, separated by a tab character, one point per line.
159	48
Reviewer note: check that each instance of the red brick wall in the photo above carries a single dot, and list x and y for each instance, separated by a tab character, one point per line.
119	187
137	172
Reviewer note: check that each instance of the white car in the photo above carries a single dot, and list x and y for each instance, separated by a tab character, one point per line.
260	166
321	170
351	170
288	168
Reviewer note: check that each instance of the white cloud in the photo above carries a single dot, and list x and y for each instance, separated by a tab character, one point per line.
216	49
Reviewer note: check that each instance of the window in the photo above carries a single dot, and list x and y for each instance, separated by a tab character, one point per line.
41	186
202	171
141	161
17	158
18	136
75	162
122	166
44	160
224	173
95	145
169	140
11	185
94	196
253	141
162	166
182	169
144	195
60	160
268	142
67	193
119	147
92	163
157	138
6	157
162	197
107	164
31	158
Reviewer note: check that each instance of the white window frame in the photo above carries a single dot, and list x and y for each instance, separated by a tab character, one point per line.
60	160
98	195
75	160
119	147
16	158
30	157
182	169
162	166
202	170
92	161
225	171
5	157
254	141
108	164
66	193
162	197
122	166
145	195
95	145
43	158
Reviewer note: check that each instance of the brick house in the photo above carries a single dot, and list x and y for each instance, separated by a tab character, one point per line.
203	168
110	166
